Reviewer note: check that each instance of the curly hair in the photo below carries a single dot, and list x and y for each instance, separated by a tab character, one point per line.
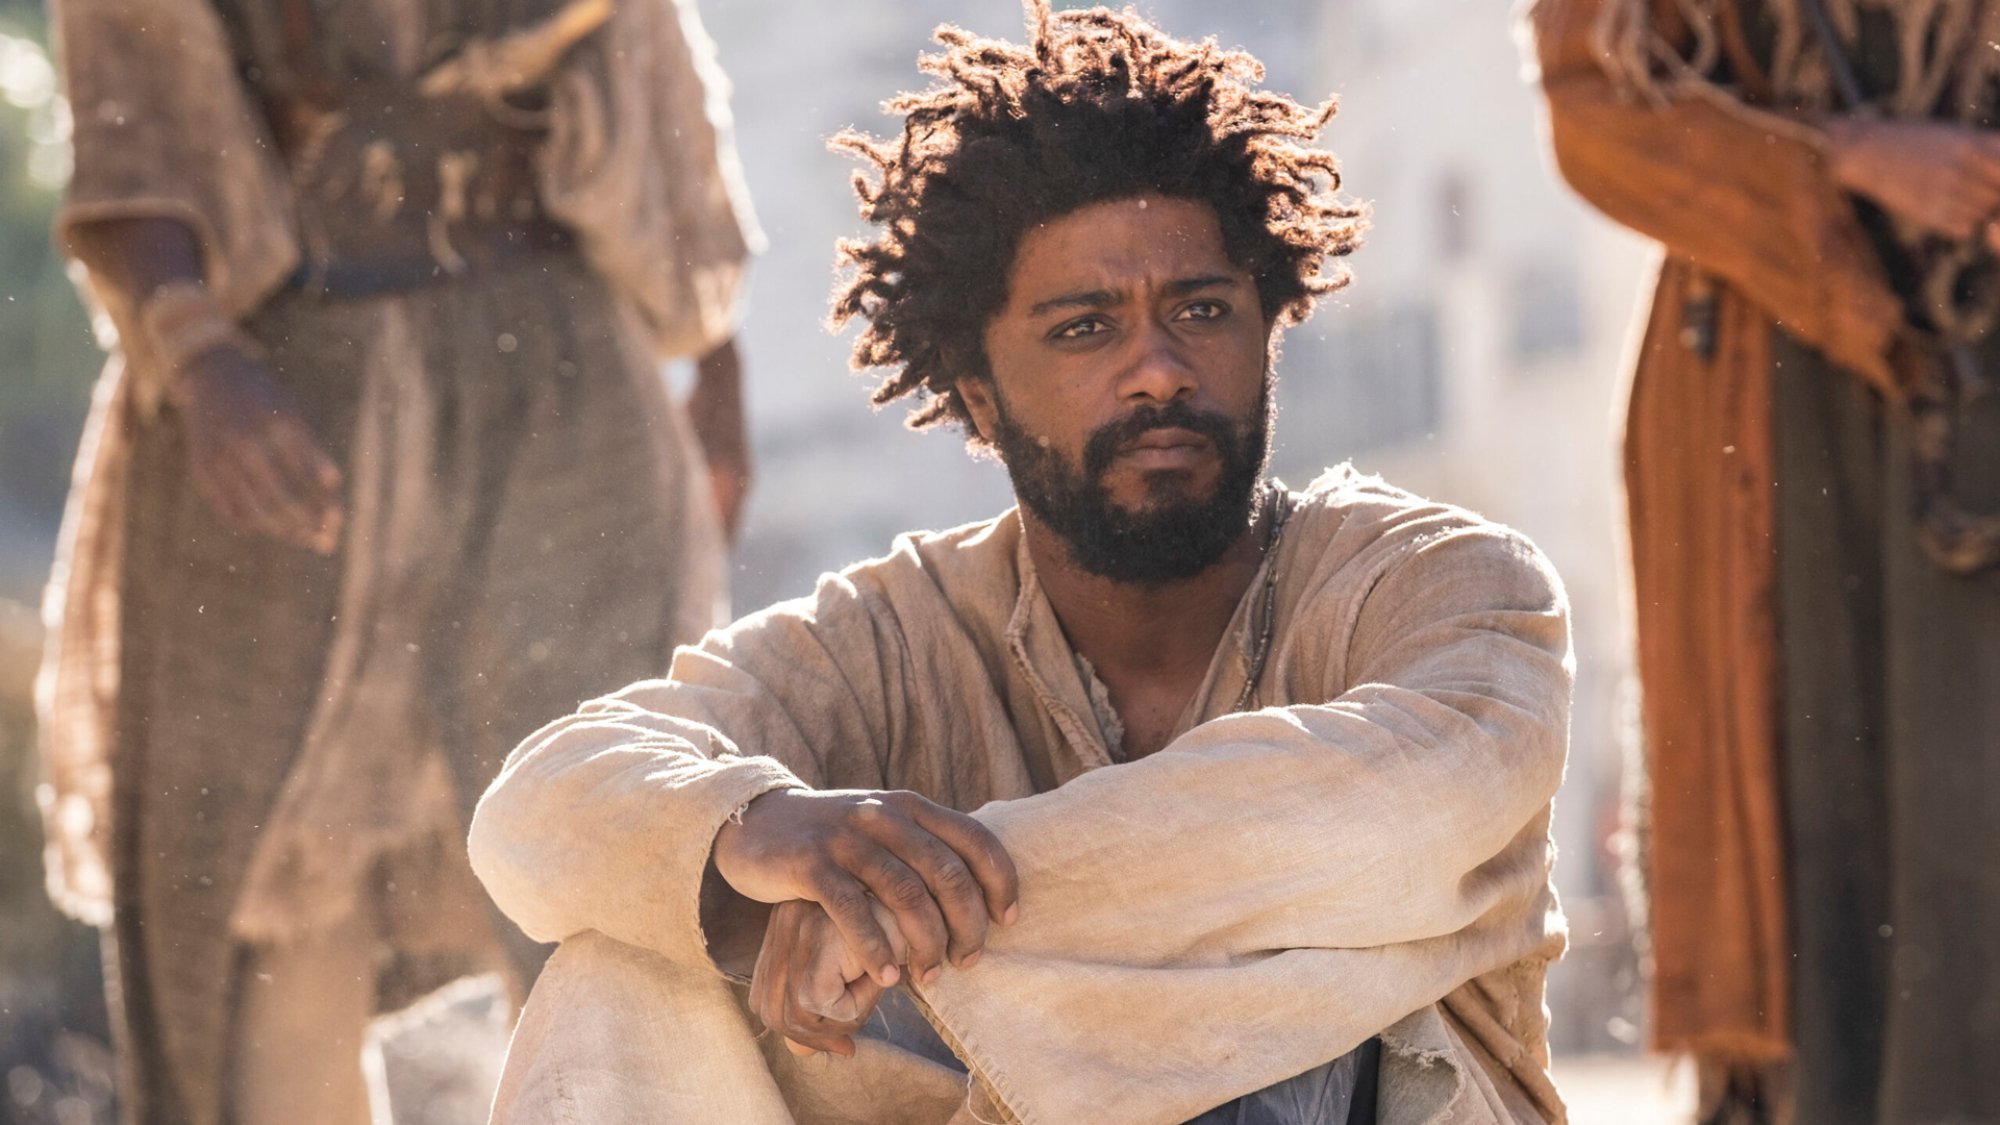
1100	106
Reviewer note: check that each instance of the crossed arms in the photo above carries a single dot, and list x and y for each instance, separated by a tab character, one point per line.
1332	865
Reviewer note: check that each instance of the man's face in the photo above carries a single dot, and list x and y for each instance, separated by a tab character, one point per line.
1129	394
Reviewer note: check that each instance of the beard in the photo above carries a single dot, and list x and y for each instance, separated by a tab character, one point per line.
1175	535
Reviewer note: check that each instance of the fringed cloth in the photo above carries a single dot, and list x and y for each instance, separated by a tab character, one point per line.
1947	66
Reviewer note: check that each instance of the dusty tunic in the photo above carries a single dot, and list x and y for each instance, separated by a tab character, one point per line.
1819	711
243	740
1364	848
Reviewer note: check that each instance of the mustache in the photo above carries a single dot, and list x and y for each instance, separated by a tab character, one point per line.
1107	440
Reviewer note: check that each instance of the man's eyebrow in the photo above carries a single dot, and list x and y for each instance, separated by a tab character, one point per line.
1090	299
1181	287
1098	298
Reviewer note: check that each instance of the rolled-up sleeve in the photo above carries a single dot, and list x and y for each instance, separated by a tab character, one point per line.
605	820
163	128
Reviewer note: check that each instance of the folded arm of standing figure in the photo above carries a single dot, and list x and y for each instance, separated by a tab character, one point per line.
1745	193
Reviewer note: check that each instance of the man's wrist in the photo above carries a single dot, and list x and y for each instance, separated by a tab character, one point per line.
183	323
732	923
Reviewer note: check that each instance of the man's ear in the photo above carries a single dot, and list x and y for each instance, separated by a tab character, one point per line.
976	392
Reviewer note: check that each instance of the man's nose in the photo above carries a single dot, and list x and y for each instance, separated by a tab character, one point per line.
1157	369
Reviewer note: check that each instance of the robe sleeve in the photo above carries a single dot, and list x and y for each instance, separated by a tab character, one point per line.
1744	194
163	128
640	162
1299	877
604	820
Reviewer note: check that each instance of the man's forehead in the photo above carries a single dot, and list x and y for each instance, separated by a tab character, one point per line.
1115	245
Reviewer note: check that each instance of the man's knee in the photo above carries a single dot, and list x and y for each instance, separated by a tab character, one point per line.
613	1033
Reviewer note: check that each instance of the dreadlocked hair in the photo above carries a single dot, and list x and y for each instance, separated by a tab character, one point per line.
1099	106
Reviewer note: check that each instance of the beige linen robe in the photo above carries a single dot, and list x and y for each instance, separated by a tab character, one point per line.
1366	848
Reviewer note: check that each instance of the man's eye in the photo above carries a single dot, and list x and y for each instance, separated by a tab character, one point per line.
1075	329
1204	310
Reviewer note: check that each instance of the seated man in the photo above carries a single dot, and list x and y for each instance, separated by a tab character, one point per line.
1171	794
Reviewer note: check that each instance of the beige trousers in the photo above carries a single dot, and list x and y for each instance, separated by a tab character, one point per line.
615	1035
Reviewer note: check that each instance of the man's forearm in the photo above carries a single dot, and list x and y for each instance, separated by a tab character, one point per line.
604	821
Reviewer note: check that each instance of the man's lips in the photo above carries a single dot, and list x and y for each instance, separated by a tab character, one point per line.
1167	448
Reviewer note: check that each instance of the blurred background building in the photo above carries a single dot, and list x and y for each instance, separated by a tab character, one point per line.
1478	357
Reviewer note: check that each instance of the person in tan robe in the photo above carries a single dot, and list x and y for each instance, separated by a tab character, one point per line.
382	472
1170	795
1810	470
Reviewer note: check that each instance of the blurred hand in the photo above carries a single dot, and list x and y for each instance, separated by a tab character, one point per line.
1940	177
715	410
251	454
941	874
810	986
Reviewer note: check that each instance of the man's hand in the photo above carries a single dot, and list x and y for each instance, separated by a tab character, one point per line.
809	986
252	456
942	874
1941	177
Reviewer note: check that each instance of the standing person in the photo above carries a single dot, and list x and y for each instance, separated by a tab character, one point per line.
1171	794
382	472
1808	465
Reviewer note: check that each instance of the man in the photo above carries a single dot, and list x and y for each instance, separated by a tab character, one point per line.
383	472
1261	778
1811	472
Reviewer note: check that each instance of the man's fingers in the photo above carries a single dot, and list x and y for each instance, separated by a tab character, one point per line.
829	997
308	463
847	903
248	492
948	882
907	897
314	478
773	1000
813	1010
768	981
224	495
983	854
819	999
814	1044
283	510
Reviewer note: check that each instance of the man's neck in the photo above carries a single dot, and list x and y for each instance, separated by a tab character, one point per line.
1151	643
